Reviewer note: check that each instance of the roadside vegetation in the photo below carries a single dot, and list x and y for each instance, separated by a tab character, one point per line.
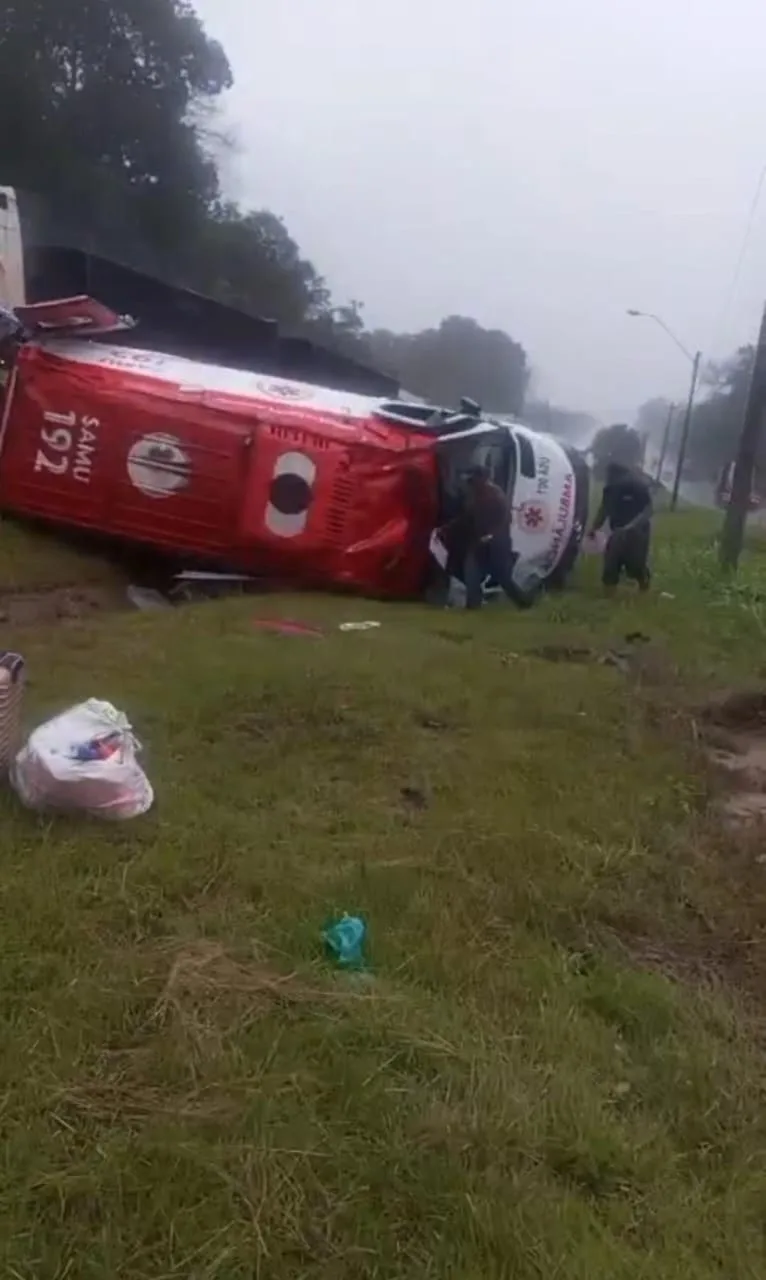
553	1063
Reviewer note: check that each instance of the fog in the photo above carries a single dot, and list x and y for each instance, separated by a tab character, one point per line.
539	167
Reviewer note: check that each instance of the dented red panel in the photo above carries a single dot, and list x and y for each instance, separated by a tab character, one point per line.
389	520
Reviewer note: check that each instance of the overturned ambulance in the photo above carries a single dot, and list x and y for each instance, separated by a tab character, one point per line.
300	484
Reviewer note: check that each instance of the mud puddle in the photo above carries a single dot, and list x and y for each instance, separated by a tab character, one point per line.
636	655
51	605
734	736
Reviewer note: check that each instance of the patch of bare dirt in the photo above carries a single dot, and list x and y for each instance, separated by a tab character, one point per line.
713	931
694	961
564	653
734	735
738	709
636	656
414	798
59	604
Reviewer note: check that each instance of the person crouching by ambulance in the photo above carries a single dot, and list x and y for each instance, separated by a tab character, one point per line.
626	504
485	525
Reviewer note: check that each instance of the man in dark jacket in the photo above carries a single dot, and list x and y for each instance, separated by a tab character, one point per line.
483	531
626	504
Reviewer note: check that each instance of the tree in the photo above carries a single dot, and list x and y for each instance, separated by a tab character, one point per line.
249	260
618	443
107	111
652	419
460	358
718	419
96	97
341	327
651	424
575	427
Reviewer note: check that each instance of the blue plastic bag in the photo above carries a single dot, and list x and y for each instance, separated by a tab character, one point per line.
344	940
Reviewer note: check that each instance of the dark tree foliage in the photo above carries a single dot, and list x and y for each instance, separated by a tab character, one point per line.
716	421
573	426
102	105
460	358
251	261
652	418
718	417
96	98
618	443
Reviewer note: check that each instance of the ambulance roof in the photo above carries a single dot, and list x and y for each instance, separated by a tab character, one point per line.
189	376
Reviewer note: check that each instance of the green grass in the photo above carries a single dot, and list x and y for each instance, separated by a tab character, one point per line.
31	559
554	1066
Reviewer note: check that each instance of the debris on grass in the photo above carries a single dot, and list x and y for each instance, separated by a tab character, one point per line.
359	626
179	1036
436	724
286	627
147	599
344	941
84	760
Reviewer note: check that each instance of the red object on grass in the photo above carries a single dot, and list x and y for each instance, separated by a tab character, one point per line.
286	627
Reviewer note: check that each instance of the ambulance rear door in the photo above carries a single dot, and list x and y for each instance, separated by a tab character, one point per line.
90	444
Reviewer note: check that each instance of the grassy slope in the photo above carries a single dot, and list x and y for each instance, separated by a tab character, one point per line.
187	1088
32	559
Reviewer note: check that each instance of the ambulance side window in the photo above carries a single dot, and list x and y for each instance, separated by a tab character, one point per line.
526	457
493	458
457	457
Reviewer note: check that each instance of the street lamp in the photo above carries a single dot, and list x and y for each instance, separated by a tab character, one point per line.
695	363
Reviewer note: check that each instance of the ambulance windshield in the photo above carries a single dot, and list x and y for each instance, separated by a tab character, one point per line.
493	449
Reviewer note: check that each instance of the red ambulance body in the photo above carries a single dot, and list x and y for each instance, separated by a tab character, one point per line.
300	484
265	476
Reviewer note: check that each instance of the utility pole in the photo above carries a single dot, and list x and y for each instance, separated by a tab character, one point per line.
685	430
733	532
665	443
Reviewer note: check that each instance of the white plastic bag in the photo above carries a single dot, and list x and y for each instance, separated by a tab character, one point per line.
54	771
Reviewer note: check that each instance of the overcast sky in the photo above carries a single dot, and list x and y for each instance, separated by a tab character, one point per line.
539	166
